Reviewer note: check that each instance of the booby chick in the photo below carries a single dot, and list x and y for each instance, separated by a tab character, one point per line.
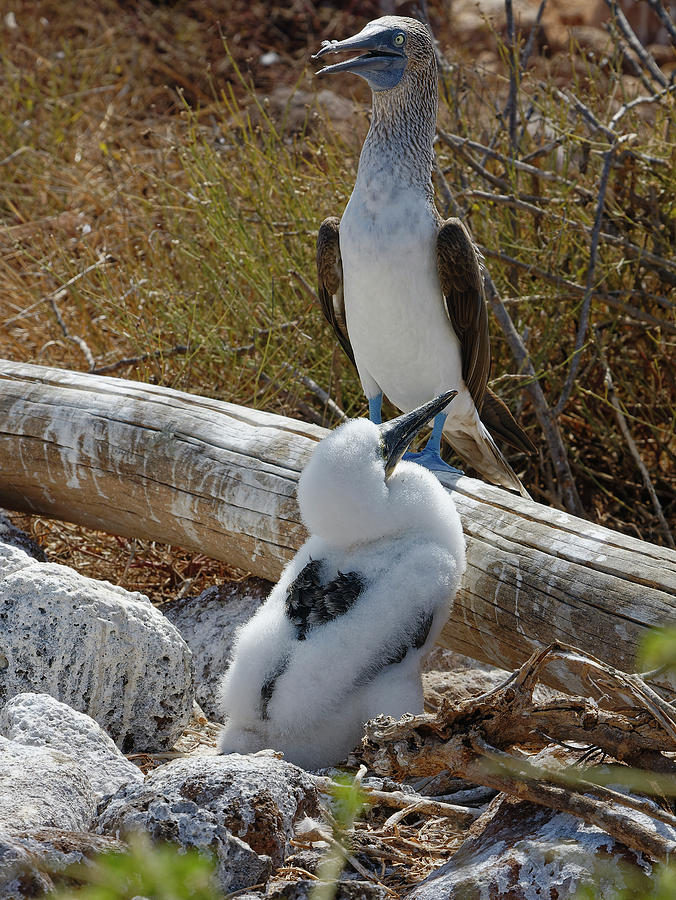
341	636
401	287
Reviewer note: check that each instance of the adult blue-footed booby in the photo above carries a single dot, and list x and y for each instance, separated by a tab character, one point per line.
401	287
341	637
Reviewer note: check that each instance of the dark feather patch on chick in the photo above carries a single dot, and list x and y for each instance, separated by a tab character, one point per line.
268	686
309	602
397	654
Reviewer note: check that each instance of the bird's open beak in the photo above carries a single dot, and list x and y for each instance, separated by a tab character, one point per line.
382	61
397	434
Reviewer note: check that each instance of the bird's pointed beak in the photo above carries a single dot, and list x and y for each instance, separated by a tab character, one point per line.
397	434
382	65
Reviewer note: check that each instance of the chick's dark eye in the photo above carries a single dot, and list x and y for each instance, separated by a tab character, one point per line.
398	40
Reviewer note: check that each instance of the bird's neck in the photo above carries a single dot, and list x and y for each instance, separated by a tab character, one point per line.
401	137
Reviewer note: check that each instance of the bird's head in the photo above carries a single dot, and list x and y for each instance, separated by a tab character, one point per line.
354	488
394	45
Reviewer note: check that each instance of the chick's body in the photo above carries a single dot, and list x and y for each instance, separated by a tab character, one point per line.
342	635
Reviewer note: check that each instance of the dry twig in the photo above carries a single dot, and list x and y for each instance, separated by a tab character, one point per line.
108	368
547	422
471	739
103	260
631	443
589	289
409	802
665	18
646	58
319	392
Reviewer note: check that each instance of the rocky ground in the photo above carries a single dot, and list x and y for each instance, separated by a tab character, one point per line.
88	668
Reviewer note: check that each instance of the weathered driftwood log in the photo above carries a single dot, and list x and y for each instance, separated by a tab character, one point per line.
149	462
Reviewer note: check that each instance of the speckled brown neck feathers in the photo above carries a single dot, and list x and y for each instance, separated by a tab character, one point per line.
403	126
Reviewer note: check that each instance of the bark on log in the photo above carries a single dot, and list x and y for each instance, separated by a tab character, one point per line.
146	461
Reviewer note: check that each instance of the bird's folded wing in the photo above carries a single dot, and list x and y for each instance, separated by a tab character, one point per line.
330	281
312	601
462	286
412	638
499	421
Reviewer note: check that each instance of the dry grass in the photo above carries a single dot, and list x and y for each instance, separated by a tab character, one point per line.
159	571
155	209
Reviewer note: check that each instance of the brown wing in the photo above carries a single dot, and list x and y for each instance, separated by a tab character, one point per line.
499	421
462	286
330	281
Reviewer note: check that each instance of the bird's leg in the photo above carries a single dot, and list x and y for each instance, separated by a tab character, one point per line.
430	456
375	406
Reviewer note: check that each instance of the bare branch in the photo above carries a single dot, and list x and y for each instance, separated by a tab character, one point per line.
647	59
76	339
318	391
450	203
613	819
528	47
665	18
589	290
457	141
259	333
621	43
557	450
103	260
571	100
294	402
638	101
633	449
469	738
177	350
511	108
399	800
309	290
644	256
574	288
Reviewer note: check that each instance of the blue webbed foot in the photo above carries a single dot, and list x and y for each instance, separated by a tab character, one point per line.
431	459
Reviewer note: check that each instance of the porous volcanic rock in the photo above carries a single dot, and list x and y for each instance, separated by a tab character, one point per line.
208	623
39	720
240	808
100	649
30	859
43	787
519	850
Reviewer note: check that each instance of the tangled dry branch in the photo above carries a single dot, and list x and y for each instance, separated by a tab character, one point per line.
483	739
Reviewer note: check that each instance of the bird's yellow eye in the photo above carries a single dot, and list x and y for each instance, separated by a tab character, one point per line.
399	40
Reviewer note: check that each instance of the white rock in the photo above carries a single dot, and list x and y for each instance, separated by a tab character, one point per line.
241	808
28	859
12	559
20	876
207	623
39	720
43	787
522	851
10	534
103	650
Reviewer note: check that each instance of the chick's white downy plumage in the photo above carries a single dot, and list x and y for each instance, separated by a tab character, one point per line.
341	637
